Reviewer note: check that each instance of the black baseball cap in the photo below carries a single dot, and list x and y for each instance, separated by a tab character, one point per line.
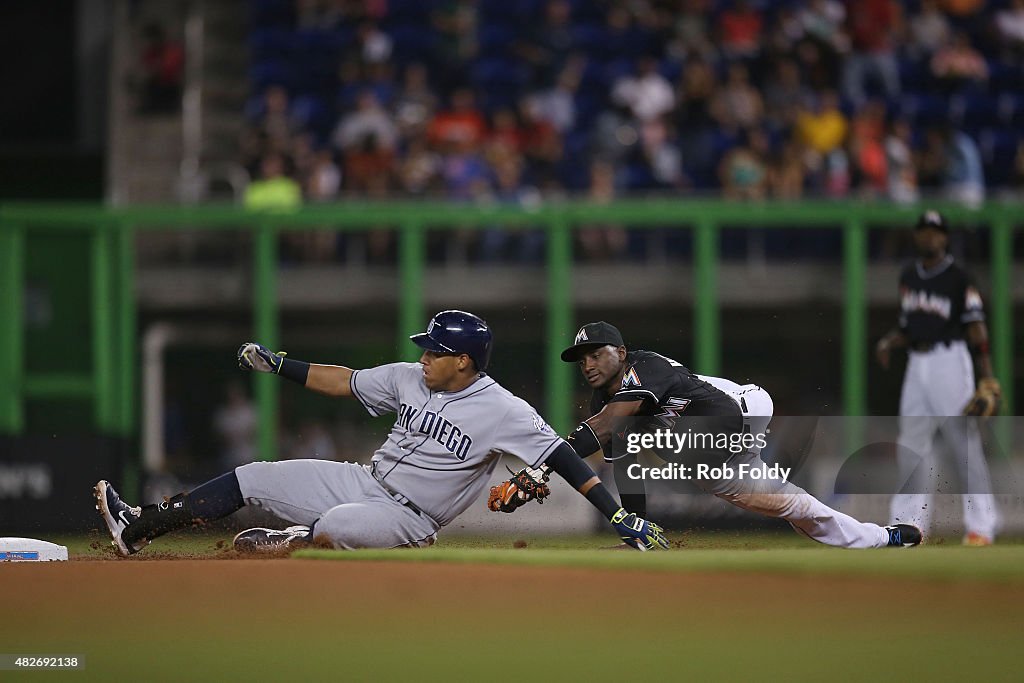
932	219
592	336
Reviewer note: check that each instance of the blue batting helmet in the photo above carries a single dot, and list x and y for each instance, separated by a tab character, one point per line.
457	332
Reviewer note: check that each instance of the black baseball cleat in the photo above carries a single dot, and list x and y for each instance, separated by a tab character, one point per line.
903	535
260	540
117	515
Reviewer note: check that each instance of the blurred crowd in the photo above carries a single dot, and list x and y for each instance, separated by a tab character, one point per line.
518	101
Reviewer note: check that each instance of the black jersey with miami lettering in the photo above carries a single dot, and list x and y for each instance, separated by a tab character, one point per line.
936	303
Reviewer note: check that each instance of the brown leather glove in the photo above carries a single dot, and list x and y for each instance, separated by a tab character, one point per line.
524	486
985	401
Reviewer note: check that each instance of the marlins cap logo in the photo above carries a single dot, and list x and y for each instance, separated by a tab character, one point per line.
630	379
581	336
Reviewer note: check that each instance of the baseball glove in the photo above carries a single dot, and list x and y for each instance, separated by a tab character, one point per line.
525	485
985	401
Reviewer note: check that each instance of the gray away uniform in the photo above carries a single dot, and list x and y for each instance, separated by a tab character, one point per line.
435	463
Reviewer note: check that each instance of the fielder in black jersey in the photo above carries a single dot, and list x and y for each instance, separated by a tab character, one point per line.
644	394
942	325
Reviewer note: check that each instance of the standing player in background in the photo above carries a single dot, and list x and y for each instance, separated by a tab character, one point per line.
453	423
641	392
939	307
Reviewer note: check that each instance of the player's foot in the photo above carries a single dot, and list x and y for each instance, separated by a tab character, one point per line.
977	540
117	515
260	540
903	535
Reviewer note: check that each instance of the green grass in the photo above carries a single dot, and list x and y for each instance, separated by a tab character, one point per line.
1004	564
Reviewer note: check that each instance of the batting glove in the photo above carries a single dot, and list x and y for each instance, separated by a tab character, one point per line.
253	356
638	532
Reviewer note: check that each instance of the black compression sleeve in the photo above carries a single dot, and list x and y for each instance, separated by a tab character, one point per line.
566	463
583	440
295	370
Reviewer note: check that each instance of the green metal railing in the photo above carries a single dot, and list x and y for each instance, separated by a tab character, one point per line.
111	384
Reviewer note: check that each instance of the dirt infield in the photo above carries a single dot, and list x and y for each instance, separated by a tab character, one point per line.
289	619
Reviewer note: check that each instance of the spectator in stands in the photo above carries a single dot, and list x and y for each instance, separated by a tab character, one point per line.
162	66
964	178
958	65
785	172
1010	24
416	102
784	94
929	29
743	171
498	242
822	130
557	104
962	9
548	47
462	124
419	172
822	23
455	24
902	170
867	150
505	134
375	46
822	127
273	189
647	93
614	135
351	83
366	163
464	170
369	119
273	128
323	182
690	31
542	145
320	15
695	93
740	28
874	27
661	155
601	243
738	104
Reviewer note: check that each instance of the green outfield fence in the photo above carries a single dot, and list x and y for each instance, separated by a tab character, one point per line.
111	383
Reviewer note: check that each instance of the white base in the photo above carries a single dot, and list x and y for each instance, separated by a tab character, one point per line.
14	549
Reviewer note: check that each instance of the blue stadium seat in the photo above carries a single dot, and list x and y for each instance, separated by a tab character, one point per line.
998	148
270	42
973	111
272	13
924	108
496	40
271	72
313	112
412	43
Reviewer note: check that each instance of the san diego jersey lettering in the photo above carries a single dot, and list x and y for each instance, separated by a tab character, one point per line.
443	448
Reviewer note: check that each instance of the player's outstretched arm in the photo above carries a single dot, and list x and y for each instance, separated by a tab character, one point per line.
633	530
330	380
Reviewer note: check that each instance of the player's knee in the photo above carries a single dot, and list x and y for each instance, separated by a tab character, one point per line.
345	527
